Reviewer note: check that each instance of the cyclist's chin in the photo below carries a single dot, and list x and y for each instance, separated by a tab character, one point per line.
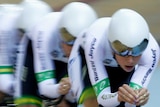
128	68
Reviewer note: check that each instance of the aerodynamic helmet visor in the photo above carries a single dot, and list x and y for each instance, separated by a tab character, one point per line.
123	50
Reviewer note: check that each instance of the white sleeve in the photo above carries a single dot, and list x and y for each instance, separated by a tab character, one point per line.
43	40
44	66
8	49
97	72
146	67
8	38
74	69
95	50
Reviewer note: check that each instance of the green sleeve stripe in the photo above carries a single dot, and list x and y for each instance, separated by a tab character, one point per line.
135	86
101	85
41	76
2	67
6	69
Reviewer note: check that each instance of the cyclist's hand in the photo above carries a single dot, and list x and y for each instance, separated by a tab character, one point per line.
143	96
65	86
127	94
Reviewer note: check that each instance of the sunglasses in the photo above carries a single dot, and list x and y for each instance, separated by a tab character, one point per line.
135	51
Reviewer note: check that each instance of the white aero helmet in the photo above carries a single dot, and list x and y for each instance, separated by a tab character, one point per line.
77	16
9	15
33	10
128	32
10	9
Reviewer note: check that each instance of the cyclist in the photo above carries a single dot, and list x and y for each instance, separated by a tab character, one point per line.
49	44
25	95
9	39
121	56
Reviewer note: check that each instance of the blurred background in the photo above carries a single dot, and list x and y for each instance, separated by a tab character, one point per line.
149	9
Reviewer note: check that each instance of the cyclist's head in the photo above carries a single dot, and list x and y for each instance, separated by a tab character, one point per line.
76	17
10	9
128	33
9	13
33	10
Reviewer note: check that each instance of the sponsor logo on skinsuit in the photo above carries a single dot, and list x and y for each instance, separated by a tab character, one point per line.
91	61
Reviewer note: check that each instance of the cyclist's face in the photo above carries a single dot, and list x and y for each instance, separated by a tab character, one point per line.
66	48
127	63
